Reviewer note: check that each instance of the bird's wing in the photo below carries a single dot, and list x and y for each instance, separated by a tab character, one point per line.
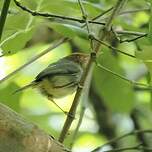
60	68
66	85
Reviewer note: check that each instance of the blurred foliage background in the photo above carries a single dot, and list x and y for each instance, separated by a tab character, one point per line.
114	105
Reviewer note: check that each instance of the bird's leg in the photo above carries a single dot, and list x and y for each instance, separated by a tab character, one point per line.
50	98
65	112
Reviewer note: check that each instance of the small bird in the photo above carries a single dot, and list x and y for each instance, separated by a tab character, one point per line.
61	78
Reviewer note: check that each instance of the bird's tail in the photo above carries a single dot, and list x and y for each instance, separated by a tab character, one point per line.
25	87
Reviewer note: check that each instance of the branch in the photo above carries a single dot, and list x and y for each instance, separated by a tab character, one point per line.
131	33
104	32
123	136
72	111
134	83
138	88
88	71
49	15
118	7
16	134
78	126
133	39
113	48
84	82
35	58
138	147
85	17
3	15
100	15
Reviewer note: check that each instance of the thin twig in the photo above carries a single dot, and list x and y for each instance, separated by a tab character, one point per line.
3	16
142	89
85	17
35	13
113	48
104	31
35	58
100	15
133	39
131	33
124	149
83	82
138	147
134	11
116	11
134	83
49	15
123	136
78	126
95	22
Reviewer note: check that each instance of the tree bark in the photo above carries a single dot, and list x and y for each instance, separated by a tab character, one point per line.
18	135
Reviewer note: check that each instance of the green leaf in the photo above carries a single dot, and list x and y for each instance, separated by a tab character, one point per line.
16	41
150	1
70	8
116	93
8	98
19	28
68	30
146	56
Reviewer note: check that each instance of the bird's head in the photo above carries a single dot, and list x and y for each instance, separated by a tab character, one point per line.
80	58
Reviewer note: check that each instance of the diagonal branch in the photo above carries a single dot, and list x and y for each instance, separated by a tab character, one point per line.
35	58
85	81
134	83
89	68
113	48
104	32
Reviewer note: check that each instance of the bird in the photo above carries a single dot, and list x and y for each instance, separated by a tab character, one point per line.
60	78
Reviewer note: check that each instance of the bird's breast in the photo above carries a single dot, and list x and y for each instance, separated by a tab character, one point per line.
49	88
